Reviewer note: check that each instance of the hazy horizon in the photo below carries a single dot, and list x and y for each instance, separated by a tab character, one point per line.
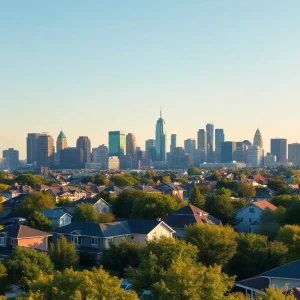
91	67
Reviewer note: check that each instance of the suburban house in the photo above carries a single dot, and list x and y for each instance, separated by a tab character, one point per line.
170	189
95	237
249	216
189	215
263	194
286	277
110	189
100	204
16	191
58	217
10	205
24	236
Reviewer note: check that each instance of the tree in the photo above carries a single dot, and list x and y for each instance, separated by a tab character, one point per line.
75	285
30	179
289	235
63	254
187	281
26	264
216	244
274	293
3	279
292	215
85	212
284	200
255	254
196	198
101	179
63	201
156	258
120	256
106	218
279	186
247	190
194	171
36	201
123	180
38	221
4	187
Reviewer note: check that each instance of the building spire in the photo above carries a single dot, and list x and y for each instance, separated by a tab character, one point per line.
160	112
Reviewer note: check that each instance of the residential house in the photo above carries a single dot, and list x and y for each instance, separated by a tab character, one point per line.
17	190
144	188
23	236
100	204
249	216
263	194
110	189
170	189
57	217
188	215
10	205
95	237
286	277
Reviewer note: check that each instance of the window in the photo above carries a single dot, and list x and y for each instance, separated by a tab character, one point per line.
67	220
76	239
241	220
12	242
251	210
2	241
94	241
250	220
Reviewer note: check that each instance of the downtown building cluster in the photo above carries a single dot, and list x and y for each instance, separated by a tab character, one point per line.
210	150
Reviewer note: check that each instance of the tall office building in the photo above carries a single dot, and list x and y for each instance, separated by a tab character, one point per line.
11	158
32	147
84	143
210	142
100	156
116	143
254	156
130	145
149	144
294	153
279	148
45	150
151	149
219	139
190	146
258	141
61	143
161	139
71	158
173	142
241	152
202	144
228	152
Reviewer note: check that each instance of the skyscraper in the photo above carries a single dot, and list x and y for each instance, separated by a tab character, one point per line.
100	156
161	140
32	147
151	149
294	153
258	141
11	157
61	144
202	144
84	143
130	145
173	142
279	148
45	150
210	142
116	143
228	152
219	139
190	146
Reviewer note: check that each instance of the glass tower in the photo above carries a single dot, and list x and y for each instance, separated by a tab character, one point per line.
116	143
161	140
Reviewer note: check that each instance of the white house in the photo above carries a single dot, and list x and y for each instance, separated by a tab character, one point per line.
57	217
249	216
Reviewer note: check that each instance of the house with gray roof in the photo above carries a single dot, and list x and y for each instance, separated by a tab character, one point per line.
58	217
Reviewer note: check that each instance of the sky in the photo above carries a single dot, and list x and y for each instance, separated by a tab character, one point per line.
93	66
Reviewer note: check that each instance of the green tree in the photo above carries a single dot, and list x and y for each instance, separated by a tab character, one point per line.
26	265
3	279
156	258
194	171
30	179
216	244
63	254
278	186
186	281
120	256
101	179
284	200
85	212
106	218
107	196
123	180
289	235
255	254
4	187
247	190
63	201
274	293
36	201
38	221
75	285
292	215
196	198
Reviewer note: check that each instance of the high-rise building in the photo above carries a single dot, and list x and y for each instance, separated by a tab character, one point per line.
279	148
173	142
161	139
130	145
100	156
269	160
116	143
45	150
228	152
61	143
241	152
254	156
113	163
294	153
258	141
149	144
219	139
84	143
11	158
190	146
71	158
210	142
202	143
32	147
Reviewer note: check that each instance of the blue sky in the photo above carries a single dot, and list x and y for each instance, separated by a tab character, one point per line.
94	66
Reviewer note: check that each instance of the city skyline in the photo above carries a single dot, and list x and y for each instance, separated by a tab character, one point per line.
94	67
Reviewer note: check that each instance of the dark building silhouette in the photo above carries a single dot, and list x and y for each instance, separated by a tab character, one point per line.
84	143
45	150
228	152
31	142
279	148
71	158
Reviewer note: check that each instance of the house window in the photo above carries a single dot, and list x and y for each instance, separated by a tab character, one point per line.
76	239
250	220
12	242
68	220
2	241
251	210
94	241
241	220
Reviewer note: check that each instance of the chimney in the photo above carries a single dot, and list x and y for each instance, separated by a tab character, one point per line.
158	219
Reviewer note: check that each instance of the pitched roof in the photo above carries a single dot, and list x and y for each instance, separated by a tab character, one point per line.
265	204
168	187
61	135
22	231
53	213
111	188
13	202
290	270
92	201
256	283
263	192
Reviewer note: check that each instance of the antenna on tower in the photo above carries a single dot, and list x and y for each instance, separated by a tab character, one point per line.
160	112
